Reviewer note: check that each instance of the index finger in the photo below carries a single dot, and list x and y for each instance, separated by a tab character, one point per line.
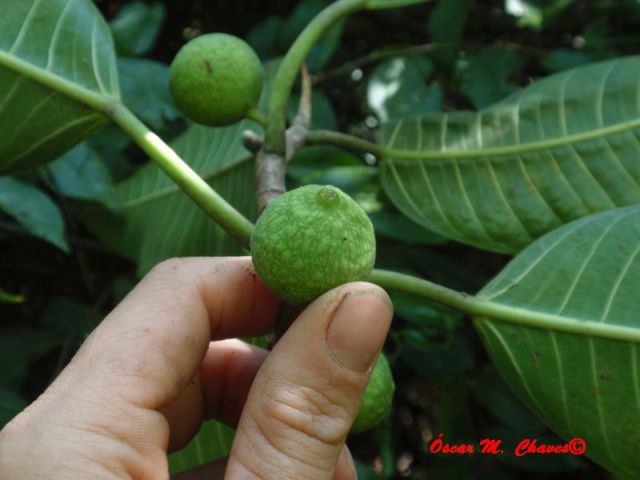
151	346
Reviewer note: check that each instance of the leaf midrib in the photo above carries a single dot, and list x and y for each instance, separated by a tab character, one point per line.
482	308
492	310
401	154
100	102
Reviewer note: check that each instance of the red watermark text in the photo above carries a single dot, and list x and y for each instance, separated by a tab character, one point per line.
493	446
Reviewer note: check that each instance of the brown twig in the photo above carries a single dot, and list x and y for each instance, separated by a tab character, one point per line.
270	170
297	134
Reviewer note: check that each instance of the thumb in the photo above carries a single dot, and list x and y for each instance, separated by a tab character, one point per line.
307	394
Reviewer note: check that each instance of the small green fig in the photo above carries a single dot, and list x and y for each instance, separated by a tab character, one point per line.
310	240
378	397
215	79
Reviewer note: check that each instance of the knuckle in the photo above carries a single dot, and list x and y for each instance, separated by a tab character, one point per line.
170	266
319	415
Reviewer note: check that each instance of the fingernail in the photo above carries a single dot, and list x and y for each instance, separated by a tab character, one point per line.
358	328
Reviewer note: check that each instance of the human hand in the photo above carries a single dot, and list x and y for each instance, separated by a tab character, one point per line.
144	380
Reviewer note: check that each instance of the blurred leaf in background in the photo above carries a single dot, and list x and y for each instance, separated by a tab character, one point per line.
536	13
399	88
486	75
446	27
79	174
136	28
34	210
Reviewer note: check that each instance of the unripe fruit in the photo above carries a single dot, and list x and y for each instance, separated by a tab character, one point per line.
215	79
310	240
378	397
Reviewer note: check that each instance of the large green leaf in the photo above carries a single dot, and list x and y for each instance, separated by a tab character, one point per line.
570	347
50	51
560	149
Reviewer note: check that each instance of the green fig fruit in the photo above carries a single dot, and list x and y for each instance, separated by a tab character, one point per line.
215	79
378	397
310	240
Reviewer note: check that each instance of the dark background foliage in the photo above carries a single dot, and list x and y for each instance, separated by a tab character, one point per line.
445	55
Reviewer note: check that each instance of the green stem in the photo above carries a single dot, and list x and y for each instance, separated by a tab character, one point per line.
385	443
423	288
290	66
482	308
343	140
216	207
257	116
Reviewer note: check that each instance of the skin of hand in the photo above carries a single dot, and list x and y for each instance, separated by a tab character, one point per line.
166	358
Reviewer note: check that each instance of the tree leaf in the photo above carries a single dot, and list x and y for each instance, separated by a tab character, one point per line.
213	441
325	46
446	26
390	224
34	210
560	149
81	175
487	75
145	91
136	27
563	59
570	345
398	88
263	37
19	346
43	43
535	13
10	405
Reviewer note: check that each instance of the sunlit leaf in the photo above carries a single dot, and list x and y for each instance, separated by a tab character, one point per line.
561	325
65	43
560	149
